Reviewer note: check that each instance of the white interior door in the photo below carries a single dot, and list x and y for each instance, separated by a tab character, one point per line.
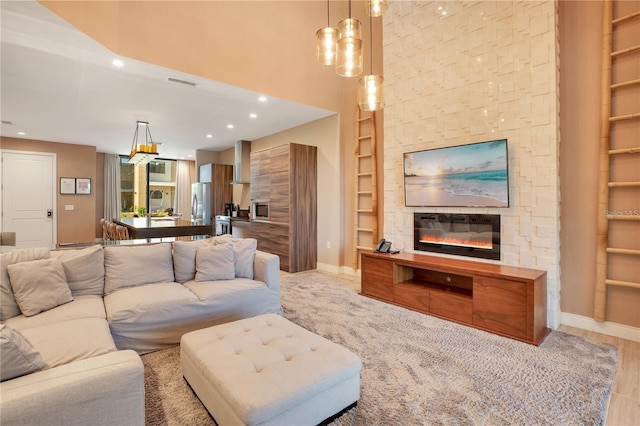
28	197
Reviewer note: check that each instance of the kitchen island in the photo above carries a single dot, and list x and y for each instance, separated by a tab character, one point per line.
158	227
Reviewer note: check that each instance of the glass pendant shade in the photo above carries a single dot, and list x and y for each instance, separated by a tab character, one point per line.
327	38
350	28
371	93
376	8
349	57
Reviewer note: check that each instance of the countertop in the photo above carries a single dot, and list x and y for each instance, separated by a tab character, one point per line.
240	219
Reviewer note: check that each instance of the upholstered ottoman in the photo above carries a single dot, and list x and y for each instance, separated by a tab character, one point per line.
267	370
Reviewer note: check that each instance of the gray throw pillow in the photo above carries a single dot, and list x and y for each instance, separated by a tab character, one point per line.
18	356
8	306
39	285
184	259
215	263
244	250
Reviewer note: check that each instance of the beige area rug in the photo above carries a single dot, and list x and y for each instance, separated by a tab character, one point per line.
418	369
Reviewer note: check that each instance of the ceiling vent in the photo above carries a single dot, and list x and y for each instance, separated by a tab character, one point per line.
177	80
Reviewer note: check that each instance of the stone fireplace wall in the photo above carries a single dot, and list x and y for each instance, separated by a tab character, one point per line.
459	72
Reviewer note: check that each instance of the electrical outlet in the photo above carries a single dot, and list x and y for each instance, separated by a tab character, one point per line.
69	207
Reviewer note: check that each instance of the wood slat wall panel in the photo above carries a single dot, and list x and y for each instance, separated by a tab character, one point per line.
289	181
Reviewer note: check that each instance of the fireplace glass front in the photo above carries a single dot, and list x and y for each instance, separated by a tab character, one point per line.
475	235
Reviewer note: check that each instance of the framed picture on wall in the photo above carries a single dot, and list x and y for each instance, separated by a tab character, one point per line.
67	185
83	186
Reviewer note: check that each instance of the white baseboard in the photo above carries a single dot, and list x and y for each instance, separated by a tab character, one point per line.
609	328
346	270
325	267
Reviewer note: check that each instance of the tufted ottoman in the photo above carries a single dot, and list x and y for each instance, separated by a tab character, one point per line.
267	370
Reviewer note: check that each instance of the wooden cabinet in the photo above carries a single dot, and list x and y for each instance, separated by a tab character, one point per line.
260	175
505	300
286	177
221	189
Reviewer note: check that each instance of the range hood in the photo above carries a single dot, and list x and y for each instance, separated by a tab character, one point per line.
241	163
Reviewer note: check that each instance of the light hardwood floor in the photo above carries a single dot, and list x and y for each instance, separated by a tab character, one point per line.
624	403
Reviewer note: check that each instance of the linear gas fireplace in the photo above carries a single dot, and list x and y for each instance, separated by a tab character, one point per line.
475	235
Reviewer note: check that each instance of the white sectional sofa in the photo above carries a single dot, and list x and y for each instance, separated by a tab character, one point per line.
75	321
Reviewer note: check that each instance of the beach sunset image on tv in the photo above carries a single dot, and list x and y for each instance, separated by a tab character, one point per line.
473	175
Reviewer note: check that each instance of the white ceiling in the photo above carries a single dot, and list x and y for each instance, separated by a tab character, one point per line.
59	85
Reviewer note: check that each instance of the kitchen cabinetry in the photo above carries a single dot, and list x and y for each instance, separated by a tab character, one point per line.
286	177
506	300
221	189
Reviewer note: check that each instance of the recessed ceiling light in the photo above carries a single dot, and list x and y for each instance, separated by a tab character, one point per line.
209	135
262	99
21	133
117	63
253	115
230	126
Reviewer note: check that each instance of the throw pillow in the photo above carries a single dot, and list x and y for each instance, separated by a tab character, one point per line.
84	269
244	250
18	355
39	285
215	263
184	258
8	306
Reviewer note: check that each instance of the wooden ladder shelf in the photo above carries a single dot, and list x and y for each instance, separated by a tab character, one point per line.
616	144
365	234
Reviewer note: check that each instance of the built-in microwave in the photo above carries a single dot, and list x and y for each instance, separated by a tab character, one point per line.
260	209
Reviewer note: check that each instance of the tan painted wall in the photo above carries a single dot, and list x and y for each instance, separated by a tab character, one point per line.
77	161
580	73
265	46
321	133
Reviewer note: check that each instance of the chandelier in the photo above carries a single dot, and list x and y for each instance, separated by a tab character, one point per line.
143	153
343	47
371	87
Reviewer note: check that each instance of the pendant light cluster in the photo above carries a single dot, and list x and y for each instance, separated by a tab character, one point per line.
342	47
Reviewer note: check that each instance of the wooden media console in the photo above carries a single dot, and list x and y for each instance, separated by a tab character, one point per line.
506	300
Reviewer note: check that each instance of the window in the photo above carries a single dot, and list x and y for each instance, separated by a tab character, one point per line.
147	189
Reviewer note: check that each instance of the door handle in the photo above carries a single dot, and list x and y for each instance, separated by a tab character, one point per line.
49	212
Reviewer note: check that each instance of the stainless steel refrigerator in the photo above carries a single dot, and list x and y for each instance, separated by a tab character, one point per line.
201	205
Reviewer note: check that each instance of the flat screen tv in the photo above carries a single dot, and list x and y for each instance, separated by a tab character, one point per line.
472	175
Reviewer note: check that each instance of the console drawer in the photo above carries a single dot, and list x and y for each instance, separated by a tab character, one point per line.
453	306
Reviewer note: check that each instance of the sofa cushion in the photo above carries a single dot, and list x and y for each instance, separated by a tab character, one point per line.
215	263
39	285
17	354
244	250
84	269
130	266
81	307
154	316
8	306
184	258
68	341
